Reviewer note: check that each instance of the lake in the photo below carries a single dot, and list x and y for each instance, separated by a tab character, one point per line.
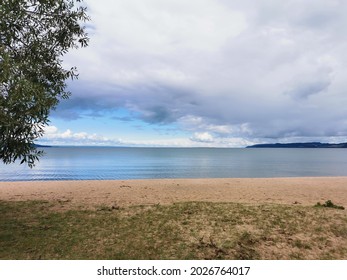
108	163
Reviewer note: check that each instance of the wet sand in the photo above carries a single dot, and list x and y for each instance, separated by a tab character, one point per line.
122	193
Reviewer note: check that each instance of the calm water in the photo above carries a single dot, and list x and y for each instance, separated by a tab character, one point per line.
103	163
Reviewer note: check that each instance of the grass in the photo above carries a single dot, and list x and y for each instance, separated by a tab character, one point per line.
330	204
194	230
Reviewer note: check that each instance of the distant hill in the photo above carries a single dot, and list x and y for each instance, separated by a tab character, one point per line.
300	145
41	146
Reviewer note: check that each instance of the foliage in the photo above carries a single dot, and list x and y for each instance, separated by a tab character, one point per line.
34	36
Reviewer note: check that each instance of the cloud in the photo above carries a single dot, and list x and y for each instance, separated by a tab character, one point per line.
55	137
203	137
247	70
307	89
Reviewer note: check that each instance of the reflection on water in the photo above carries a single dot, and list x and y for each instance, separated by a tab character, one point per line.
104	163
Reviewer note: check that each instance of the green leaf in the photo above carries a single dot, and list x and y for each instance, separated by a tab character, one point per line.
34	35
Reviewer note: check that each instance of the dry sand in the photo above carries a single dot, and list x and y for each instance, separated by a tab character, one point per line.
71	194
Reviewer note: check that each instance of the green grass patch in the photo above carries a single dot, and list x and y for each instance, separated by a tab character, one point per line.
194	230
330	204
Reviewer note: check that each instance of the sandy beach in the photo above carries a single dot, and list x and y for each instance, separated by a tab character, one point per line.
71	194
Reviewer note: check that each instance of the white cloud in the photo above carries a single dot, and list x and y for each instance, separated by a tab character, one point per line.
55	137
194	123
140	41
203	137
50	130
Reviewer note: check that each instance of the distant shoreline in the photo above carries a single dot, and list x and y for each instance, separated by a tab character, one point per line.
318	145
270	145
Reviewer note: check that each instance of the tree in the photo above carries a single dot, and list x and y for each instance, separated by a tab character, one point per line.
34	36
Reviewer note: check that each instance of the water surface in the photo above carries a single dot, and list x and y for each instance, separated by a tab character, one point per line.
104	163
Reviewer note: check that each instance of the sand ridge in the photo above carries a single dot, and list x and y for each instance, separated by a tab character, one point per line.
303	191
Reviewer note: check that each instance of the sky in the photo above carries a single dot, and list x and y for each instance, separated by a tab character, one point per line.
207	73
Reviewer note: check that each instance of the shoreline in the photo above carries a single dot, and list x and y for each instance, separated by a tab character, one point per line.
123	193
